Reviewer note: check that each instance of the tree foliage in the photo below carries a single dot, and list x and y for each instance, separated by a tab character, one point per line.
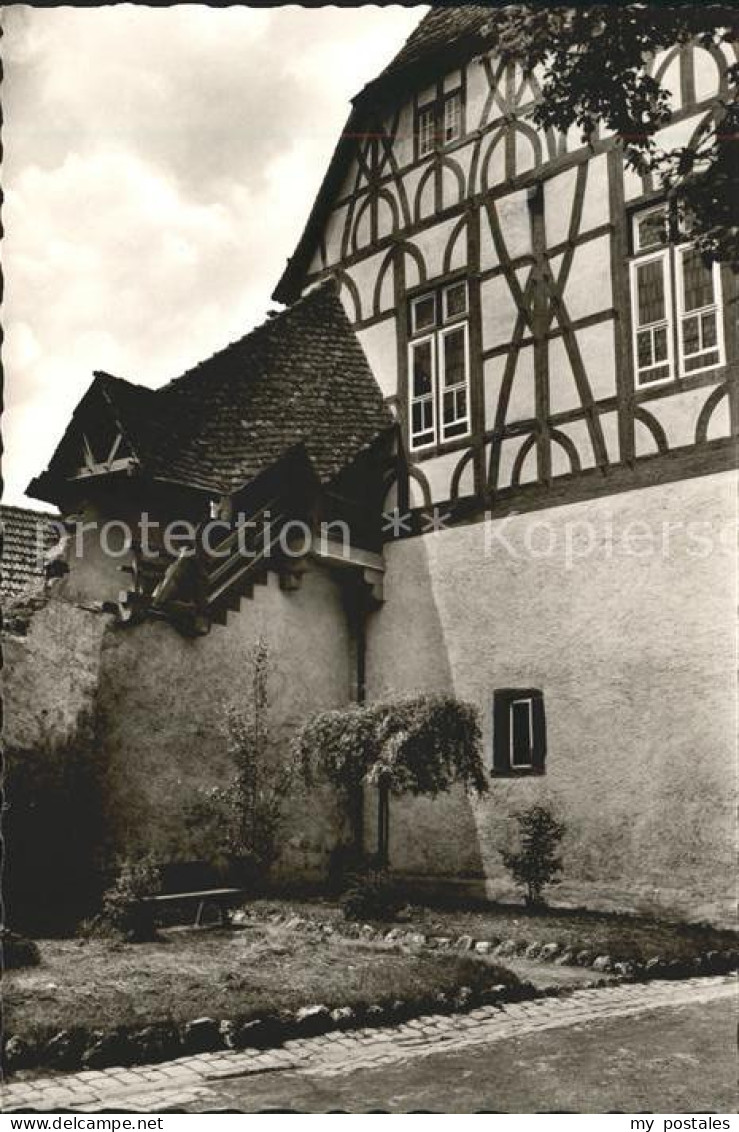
416	744
595	69
536	863
240	819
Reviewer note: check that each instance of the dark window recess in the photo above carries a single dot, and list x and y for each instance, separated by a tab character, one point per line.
519	732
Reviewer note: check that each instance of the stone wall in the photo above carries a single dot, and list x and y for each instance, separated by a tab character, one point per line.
635	651
50	673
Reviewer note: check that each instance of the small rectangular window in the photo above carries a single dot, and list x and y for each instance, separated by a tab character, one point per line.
426	130
422	408
423	313
650	285
700	332
454	376
452	117
519	732
455	300
651	229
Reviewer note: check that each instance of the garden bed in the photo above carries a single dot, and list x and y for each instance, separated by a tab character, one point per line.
95	1002
577	933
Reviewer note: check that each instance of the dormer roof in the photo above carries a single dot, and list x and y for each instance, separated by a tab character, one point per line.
301	378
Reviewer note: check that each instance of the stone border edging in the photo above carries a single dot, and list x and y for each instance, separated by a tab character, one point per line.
656	967
84	1048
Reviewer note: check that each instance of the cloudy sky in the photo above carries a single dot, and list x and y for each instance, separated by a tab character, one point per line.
159	166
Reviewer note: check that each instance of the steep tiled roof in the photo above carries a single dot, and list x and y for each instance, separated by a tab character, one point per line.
441	28
26	535
299	378
443	39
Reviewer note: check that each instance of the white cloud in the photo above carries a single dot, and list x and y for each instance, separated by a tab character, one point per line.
159	166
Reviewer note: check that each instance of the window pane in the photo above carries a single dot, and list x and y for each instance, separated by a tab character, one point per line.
454	359
521	738
702	361
455	413
650	292
660	343
691	336
455	300
658	373
453	117
697	281
424	312
422	369
425	131
651	230
708	325
644	348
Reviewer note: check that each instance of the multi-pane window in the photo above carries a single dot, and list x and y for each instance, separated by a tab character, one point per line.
439	366
676	304
439	123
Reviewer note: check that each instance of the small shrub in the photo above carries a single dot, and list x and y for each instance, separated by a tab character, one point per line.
17	951
536	864
124	908
370	895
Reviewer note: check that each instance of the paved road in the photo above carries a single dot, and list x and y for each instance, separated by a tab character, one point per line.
663	1047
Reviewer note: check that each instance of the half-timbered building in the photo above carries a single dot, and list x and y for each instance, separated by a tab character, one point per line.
523	404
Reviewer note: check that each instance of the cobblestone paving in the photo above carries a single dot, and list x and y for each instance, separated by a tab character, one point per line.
193	1082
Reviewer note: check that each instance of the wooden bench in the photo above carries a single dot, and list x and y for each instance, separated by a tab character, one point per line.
222	898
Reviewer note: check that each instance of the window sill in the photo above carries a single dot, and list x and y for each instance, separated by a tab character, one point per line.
517	772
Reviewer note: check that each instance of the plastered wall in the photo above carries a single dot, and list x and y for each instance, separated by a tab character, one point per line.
158	703
634	647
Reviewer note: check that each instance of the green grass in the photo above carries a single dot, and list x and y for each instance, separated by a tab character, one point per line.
620	936
221	974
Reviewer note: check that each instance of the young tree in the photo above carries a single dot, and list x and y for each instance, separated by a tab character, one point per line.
536	864
239	822
418	745
597	67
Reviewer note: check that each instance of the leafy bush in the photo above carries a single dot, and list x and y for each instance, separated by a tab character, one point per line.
370	895
125	910
536	864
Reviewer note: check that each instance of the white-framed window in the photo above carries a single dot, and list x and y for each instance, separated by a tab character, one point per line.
452	117
439	123
426	129
699	313
521	738
651	301
675	304
439	366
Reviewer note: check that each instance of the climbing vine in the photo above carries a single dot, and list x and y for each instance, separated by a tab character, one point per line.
417	744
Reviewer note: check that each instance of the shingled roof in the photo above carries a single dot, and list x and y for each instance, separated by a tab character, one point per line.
299	378
25	536
443	39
